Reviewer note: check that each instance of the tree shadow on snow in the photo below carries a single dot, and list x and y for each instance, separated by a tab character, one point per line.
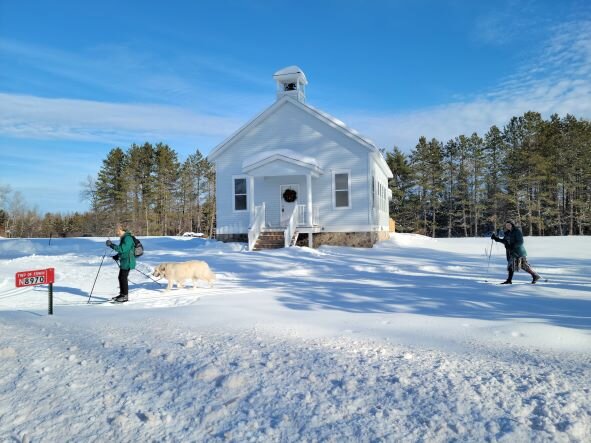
419	281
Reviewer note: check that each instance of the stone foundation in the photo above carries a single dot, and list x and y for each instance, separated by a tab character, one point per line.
227	238
352	239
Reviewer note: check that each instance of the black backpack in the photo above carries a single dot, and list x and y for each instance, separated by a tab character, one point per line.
138	249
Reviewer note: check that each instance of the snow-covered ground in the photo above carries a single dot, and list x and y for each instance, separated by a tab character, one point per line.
403	342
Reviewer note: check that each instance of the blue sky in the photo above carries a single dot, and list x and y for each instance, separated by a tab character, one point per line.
78	78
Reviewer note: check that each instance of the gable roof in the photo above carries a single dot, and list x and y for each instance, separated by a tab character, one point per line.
288	154
283	155
320	115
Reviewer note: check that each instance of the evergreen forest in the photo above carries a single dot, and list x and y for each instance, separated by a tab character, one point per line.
534	171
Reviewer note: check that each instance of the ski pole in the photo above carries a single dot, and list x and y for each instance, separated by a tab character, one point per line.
489	254
97	274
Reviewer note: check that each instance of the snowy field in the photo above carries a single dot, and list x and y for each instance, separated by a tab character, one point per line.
413	340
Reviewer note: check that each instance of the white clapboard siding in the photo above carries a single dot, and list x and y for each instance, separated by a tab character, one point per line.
289	127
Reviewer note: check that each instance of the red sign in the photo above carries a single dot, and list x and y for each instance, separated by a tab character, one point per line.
32	278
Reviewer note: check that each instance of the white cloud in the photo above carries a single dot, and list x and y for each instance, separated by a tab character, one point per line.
171	108
504	22
174	78
66	119
557	80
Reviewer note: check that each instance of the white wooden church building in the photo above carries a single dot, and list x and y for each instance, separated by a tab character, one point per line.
294	172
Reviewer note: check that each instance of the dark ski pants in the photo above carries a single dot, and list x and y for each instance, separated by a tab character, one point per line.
123	286
522	263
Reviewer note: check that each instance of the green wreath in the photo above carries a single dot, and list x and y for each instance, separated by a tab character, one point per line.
289	195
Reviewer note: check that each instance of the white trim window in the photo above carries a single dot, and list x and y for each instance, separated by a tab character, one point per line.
240	193
341	185
373	192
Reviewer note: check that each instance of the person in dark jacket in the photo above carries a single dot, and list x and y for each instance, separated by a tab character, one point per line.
126	259
516	254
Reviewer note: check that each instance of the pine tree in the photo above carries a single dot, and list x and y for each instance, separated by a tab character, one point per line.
141	168
427	160
166	177
111	187
463	186
196	166
210	199
450	153
549	211
495	152
402	206
476	160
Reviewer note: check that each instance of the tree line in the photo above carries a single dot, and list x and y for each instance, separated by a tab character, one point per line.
536	172
145	187
152	192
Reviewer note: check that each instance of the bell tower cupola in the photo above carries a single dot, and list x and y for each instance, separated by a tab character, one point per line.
291	81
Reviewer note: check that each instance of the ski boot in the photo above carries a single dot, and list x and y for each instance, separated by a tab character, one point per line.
120	299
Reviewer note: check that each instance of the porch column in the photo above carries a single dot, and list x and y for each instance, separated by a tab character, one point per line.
309	206
251	198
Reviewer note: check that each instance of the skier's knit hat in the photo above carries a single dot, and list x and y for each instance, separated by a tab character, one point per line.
511	222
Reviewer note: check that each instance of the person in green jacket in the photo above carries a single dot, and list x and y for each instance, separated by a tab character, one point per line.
126	257
516	254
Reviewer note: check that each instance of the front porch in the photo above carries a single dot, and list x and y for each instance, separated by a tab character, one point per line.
280	188
264	235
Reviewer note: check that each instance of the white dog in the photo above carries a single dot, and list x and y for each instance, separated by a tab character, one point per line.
180	272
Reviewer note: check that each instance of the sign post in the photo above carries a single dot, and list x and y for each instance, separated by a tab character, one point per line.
38	277
50	306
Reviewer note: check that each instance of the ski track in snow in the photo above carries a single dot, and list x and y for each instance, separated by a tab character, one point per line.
402	342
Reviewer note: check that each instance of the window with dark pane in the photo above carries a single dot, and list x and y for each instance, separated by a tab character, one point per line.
240	194
341	189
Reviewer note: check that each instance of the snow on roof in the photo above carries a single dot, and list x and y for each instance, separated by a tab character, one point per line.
286	153
319	114
341	124
291	71
355	134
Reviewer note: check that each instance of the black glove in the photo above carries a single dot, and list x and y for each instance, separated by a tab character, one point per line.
115	257
109	243
494	236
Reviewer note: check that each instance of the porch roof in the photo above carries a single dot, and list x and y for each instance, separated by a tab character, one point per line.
281	162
